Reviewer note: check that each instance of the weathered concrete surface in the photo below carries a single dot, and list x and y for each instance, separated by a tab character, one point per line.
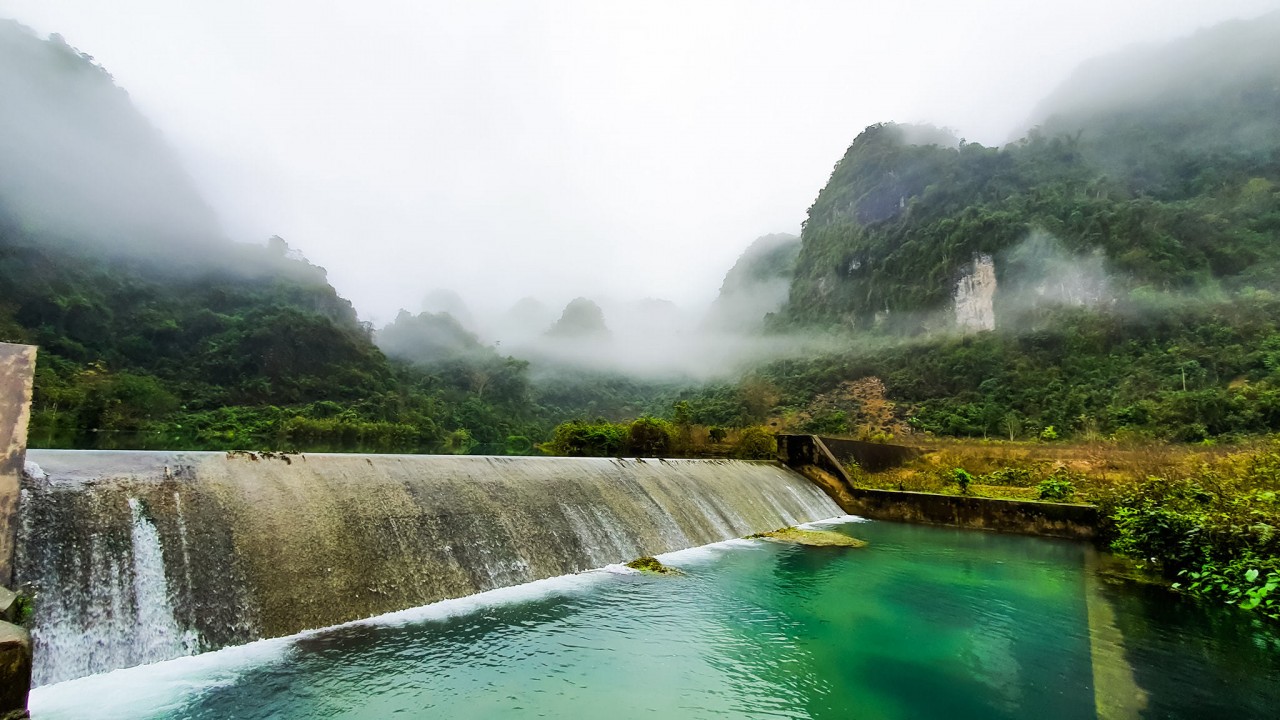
1077	522
809	455
872	457
17	366
15	670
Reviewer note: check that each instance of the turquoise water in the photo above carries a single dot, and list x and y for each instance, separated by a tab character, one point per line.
926	622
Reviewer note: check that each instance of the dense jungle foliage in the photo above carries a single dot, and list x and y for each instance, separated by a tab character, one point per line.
1149	367
261	353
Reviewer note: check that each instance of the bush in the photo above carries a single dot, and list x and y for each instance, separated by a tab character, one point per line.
579	438
1057	486
459	442
518	445
1217	531
650	437
756	443
961	477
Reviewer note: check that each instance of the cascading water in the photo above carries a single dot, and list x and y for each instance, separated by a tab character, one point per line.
137	557
121	614
156	634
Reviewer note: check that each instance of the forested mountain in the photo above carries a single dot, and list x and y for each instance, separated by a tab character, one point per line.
756	285
1165	162
1125	250
81	165
157	331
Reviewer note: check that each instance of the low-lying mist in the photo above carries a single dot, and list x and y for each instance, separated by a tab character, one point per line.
651	340
81	164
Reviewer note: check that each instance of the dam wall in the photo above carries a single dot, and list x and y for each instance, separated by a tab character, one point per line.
137	557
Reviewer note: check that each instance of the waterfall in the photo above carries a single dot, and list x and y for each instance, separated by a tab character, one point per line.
103	600
156	635
137	557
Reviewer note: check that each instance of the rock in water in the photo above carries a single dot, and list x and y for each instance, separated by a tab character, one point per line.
812	538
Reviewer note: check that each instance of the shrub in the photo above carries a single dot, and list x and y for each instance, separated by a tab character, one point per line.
1049	433
756	443
518	445
1057	486
1217	531
459	442
650	437
961	477
579	438
717	434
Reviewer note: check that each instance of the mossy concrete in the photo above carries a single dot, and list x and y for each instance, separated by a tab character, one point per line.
812	538
15	670
652	565
1077	522
17	368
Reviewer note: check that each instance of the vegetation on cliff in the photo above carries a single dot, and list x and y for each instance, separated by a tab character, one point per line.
1164	163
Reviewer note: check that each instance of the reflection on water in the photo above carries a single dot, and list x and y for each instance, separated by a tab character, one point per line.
924	623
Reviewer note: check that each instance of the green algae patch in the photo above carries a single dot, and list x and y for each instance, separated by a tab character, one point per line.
812	538
649	564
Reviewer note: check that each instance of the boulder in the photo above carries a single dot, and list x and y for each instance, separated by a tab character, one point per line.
15	670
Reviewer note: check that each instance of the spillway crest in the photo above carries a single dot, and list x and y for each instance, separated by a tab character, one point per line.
137	557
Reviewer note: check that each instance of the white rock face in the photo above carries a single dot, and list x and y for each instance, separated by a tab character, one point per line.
975	295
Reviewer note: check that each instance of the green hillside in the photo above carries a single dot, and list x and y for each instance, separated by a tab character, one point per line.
1134	234
1166	161
157	332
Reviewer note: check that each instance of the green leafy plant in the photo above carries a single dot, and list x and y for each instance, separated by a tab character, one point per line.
1057	486
962	478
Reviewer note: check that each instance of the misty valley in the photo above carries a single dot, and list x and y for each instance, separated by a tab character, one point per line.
994	431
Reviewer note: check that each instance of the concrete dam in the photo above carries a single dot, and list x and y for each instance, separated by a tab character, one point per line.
137	557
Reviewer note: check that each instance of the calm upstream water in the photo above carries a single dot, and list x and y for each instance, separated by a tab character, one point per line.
926	622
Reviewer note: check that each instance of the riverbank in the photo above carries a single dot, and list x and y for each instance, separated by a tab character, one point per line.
1205	518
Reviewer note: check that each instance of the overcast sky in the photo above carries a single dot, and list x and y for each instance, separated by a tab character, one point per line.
555	149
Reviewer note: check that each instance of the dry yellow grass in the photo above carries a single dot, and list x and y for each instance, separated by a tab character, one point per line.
1093	467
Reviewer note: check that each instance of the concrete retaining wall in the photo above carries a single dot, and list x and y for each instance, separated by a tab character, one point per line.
872	457
17	367
810	456
1078	522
